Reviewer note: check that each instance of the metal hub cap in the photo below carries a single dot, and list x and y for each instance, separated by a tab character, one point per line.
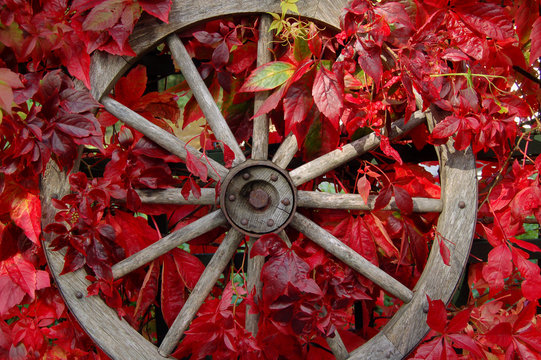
257	197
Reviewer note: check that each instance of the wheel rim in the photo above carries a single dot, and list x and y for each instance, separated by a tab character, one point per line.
405	329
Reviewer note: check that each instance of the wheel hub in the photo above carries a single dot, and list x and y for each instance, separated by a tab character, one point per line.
257	198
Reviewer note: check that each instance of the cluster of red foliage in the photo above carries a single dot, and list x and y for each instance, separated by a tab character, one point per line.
475	60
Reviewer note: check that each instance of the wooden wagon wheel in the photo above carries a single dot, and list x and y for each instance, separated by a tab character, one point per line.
268	183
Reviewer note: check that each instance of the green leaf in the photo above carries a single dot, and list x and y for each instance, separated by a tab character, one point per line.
268	76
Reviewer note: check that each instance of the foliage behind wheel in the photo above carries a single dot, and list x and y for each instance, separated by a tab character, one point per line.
300	184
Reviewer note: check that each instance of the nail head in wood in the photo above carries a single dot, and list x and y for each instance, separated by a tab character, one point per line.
244	221
246	176
461	204
274	177
270	222
79	295
232	197
286	201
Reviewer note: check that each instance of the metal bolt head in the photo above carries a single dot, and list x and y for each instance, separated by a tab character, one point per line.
79	295
232	197
259	199
461	204
286	201
270	222
274	177
244	222
246	176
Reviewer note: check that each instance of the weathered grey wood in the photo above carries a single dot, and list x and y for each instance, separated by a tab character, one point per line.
202	94
260	138
286	151
107	69
351	258
322	200
260	151
337	346
97	319
204	285
161	137
174	197
335	158
169	242
253	273
378	348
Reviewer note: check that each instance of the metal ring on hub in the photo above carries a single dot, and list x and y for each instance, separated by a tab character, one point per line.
258	197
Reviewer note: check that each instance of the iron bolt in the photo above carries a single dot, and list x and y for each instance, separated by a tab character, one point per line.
286	201
274	177
244	221
79	295
246	176
270	222
232	197
461	204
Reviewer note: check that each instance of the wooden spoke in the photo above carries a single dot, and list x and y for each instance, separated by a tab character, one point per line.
169	242
255	264
340	156
205	100
337	346
351	258
322	200
260	151
201	290
161	137
260	138
286	151
174	197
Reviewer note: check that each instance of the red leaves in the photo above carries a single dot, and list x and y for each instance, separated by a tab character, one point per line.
26	213
450	335
535	36
19	277
180	273
9	81
328	95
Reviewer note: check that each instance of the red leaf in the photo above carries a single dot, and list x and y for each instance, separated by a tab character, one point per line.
24	275
432	350
388	150
297	103
459	321
220	55
328	95
195	189
157	8
229	156
535	36
501	334
403	200
196	167
10	294
487	18
499	266
147	292
363	188
446	128
444	251
26	213
437	315
383	199
8	81
370	59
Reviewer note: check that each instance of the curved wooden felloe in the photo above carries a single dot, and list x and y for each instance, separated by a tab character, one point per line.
406	328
